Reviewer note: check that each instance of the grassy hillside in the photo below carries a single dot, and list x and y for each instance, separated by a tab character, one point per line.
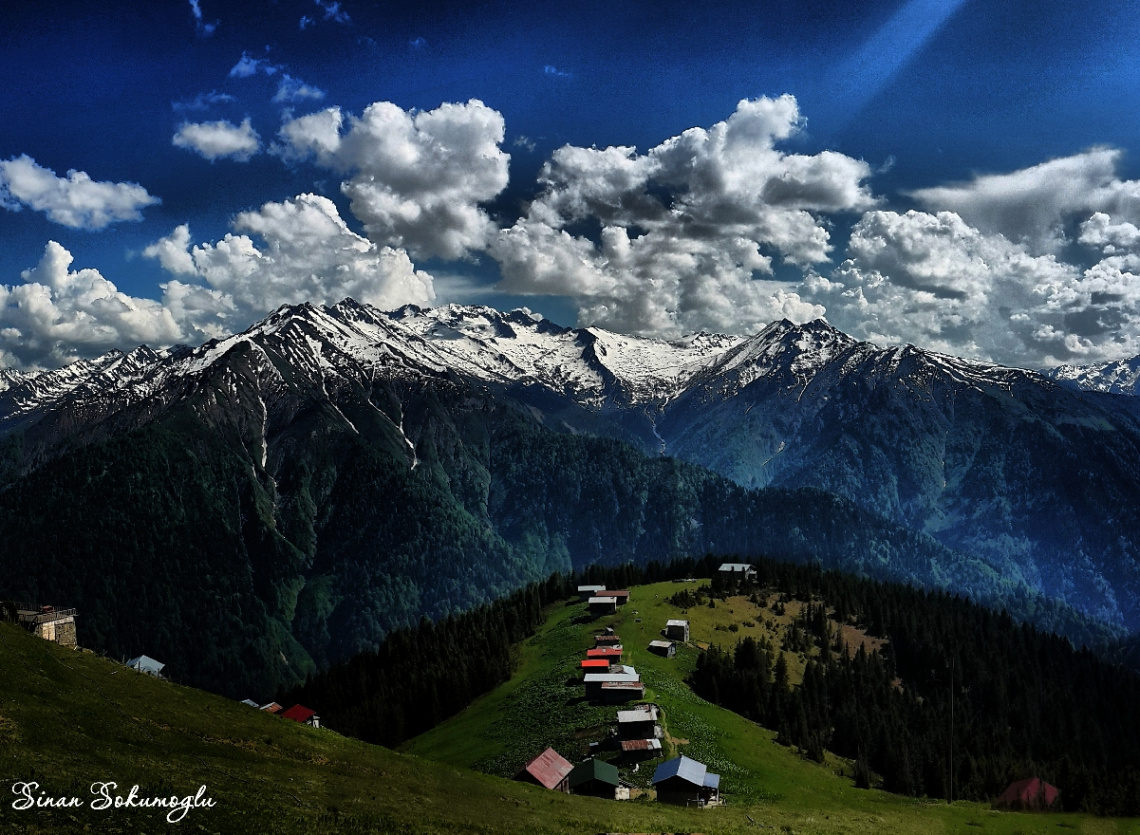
773	784
68	719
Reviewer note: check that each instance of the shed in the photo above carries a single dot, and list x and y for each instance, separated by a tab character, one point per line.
302	714
737	571
611	654
272	707
677	630
146	664
1031	795
249	702
594	777
618	692
665	648
549	769
622	595
610	640
638	724
633	750
603	605
586	592
684	781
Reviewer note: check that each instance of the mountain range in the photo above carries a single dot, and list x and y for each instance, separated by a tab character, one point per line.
258	506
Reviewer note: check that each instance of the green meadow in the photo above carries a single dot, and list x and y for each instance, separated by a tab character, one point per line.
69	719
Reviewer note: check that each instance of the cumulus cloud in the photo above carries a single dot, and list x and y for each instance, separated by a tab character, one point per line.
416	179
289	252
294	90
217	140
685	227
936	281
58	315
1110	237
76	201
1035	205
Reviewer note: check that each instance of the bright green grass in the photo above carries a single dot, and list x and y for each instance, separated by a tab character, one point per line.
68	719
773	785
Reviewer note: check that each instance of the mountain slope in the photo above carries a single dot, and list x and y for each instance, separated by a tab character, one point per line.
333	473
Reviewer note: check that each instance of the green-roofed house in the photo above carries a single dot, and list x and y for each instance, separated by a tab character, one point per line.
596	778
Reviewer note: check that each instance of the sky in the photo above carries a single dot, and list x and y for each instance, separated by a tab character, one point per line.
955	174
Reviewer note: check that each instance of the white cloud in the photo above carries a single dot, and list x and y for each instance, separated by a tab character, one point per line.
1111	238
216	140
203	28
294	89
57	316
685	227
933	280
1034	205
306	253
417	179
248	66
76	201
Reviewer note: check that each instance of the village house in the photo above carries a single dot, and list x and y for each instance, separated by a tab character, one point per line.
249	702
737	571
609	640
549	769
586	592
667	649
49	623
146	664
622	596
620	692
302	714
686	782
595	778
597	665
603	606
272	707
677	630
635	750
610	654
639	723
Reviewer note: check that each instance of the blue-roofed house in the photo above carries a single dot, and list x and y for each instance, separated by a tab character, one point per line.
146	664
686	782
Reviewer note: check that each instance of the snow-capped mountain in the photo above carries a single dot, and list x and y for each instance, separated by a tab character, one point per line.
1120	377
1037	482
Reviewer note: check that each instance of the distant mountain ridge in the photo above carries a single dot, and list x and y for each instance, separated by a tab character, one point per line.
367	467
1119	377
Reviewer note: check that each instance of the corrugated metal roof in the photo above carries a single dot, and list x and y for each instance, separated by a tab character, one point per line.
687	769
250	702
594	769
591	588
146	664
712	781
676	623
594	664
549	768
631	745
603	652
298	713
736	566
623	685
637	715
592	678
598	601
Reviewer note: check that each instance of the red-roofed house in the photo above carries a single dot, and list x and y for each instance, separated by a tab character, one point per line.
302	714
611	654
1033	794
549	769
597	664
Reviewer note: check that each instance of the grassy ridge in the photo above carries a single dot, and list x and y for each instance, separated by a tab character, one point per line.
69	718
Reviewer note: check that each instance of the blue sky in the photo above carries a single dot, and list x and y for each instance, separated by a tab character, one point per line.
960	175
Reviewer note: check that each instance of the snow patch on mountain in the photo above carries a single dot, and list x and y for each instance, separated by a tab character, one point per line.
1120	377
